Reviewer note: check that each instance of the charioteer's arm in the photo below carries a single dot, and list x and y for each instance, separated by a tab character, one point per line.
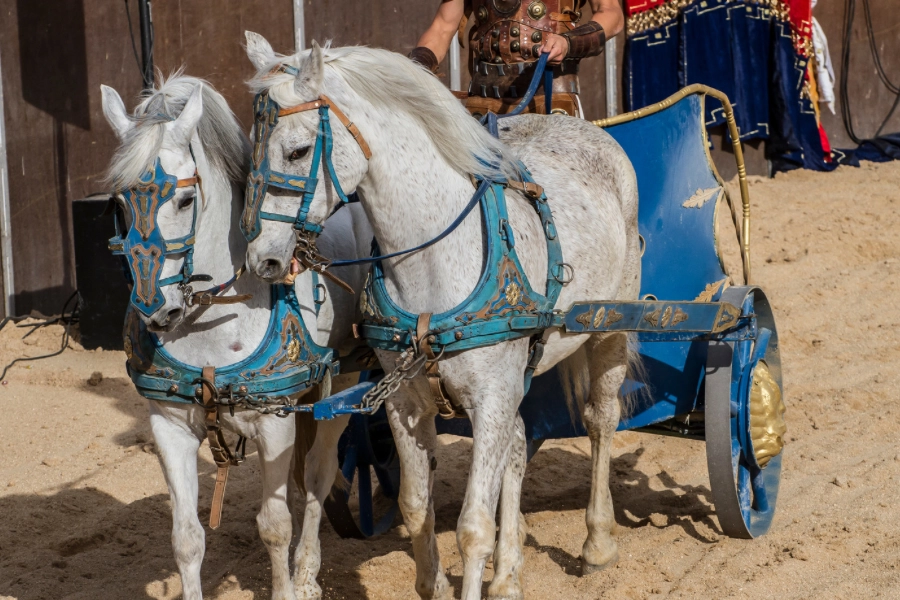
434	43
588	39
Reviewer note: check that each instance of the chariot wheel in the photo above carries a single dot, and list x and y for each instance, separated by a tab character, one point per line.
367	456
745	425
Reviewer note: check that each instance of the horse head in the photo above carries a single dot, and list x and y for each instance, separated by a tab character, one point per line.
160	175
307	156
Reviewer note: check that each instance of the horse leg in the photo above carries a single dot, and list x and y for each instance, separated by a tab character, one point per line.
608	358
317	477
177	443
415	437
508	555
275	444
493	425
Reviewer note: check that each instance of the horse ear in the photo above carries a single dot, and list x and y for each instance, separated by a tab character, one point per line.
114	111
259	50
184	126
312	72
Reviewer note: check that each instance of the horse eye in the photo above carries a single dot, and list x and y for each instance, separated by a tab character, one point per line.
298	154
186	202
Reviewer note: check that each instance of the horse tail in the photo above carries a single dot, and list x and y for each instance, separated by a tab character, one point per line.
574	373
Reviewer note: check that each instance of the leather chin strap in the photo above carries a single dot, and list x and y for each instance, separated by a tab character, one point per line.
432	371
222	455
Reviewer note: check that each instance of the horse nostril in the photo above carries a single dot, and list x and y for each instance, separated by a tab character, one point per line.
270	268
171	316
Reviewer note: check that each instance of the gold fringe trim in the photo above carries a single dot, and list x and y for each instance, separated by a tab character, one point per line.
661	15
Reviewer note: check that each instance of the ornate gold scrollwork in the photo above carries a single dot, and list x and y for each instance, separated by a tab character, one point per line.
679	317
728	316
653	318
598	318
667	314
767	425
614	316
585	318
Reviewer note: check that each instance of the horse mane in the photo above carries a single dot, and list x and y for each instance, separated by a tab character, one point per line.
223	141
391	81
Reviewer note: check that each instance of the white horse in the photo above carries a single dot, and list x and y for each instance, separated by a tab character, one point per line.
189	128
424	147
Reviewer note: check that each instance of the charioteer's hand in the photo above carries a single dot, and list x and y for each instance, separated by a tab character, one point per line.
556	46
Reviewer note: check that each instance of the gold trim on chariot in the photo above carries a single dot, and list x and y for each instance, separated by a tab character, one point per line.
767	426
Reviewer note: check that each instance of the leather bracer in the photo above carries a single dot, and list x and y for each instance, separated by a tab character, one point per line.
586	40
425	57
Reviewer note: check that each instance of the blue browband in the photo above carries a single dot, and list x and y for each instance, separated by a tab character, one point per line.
143	247
286	362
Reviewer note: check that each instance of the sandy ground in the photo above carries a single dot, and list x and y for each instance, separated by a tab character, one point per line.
85	511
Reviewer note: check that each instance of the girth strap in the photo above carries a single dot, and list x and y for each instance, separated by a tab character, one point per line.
221	453
432	371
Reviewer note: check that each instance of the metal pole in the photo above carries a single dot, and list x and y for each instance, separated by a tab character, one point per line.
6	263
299	27
455	81
612	81
146	20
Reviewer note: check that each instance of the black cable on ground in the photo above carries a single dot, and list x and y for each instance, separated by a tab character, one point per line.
67	321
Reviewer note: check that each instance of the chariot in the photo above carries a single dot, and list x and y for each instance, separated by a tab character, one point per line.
709	344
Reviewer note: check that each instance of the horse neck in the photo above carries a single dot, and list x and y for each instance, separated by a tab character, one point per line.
411	194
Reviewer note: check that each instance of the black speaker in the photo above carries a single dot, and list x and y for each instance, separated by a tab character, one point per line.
101	279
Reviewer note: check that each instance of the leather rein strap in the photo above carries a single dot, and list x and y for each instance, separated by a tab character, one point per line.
346	122
221	453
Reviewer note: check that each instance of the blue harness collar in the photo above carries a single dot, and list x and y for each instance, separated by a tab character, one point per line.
503	306
286	362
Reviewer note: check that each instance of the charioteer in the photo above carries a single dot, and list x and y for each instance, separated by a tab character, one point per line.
506	40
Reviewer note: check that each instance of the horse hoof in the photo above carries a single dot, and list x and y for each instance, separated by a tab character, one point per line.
308	592
587	568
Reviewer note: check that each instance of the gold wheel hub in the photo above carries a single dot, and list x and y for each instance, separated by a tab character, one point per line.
767	426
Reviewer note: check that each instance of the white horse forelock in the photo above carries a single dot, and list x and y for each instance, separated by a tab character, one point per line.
219	131
390	80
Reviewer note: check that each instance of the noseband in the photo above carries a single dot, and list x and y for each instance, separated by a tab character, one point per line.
143	247
261	176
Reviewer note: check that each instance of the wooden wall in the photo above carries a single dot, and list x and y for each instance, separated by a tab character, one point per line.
55	55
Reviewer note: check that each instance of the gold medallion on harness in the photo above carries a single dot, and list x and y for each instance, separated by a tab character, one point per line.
513	293
293	350
767	426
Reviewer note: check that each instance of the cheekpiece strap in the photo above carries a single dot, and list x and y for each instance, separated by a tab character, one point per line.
345	121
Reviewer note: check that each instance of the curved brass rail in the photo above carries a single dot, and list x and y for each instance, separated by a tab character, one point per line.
742	228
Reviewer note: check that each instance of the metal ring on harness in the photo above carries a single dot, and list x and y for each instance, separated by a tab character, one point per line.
564	273
211	385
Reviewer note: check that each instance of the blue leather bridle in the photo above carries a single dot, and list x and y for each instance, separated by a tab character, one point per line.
143	246
267	113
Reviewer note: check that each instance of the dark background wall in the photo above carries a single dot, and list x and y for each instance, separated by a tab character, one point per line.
870	101
55	55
